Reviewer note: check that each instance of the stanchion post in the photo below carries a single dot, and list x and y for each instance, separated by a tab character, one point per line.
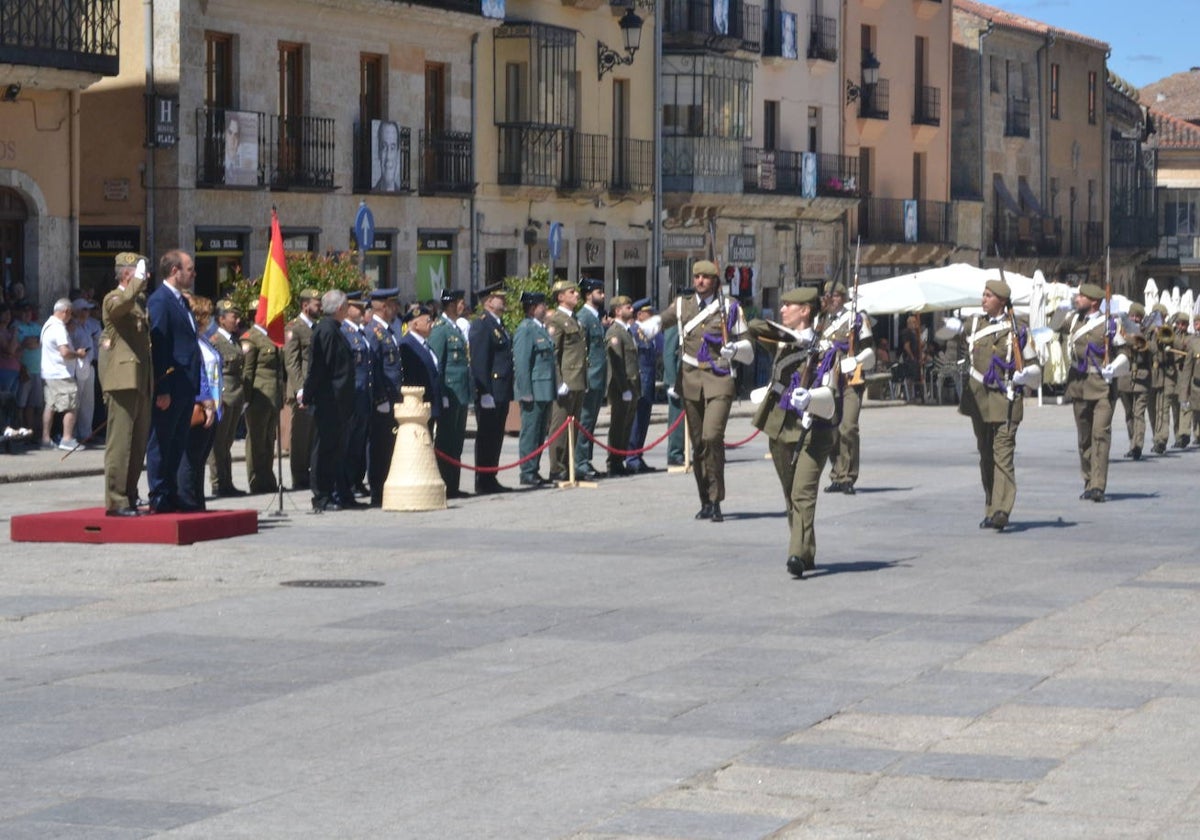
572	481
278	512
687	449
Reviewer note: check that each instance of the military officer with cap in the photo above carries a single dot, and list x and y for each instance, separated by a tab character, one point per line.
591	317
448	342
370	398
1138	392
1093	363
263	375
649	345
492	377
1002	366
233	399
837	328
297	338
624	384
386	377
712	338
571	374
797	414
534	384
126	375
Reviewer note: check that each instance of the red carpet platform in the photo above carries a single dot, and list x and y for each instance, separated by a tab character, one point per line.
90	525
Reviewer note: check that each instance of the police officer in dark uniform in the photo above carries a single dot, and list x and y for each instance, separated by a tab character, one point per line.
492	377
649	345
387	375
355	465
447	341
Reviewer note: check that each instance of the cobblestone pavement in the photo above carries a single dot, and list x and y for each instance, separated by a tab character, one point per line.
593	663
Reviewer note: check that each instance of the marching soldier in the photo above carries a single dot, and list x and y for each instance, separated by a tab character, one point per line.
533	383
387	374
713	339
571	374
1002	365
797	415
1172	360
297	337
263	375
624	384
127	378
1191	375
838	329
450	345
1137	392
1093	363
233	399
591	318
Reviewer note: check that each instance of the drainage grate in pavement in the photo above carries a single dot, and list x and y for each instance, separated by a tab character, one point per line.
334	583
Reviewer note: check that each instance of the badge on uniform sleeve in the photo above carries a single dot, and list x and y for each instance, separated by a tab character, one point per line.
287	335
550	328
246	346
614	341
106	344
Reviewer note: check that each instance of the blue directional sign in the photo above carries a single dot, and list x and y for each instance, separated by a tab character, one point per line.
555	240
364	228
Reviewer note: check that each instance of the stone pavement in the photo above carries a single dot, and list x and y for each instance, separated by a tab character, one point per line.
593	663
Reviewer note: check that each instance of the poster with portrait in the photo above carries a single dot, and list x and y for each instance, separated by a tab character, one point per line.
808	174
720	13
241	148
385	156
910	220
787	41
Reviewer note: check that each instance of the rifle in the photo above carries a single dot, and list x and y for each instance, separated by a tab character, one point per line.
1107	308
1015	349
856	378
806	382
712	256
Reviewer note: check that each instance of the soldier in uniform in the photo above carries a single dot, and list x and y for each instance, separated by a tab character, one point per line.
492	377
1136	392
994	398
1171	360
797	414
671	368
233	399
126	375
447	341
1190	390
1091	337
714	338
591	318
533	383
649	347
368	400
624	386
387	374
297	336
570	363
264	380
837	329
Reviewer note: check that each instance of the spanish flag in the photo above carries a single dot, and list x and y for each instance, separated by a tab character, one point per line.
275	294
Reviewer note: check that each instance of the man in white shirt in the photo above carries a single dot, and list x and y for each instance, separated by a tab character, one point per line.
59	362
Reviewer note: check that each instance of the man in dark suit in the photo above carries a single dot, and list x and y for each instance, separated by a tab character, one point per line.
329	390
492	377
419	362
176	358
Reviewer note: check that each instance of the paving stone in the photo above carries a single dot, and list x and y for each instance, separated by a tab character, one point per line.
692	824
982	767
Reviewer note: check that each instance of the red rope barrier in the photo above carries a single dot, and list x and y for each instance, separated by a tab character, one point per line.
625	453
535	453
743	442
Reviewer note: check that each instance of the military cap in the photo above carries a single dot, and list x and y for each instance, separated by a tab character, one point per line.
1091	290
354	297
837	288
999	288
804	294
127	259
1137	309
561	286
452	294
642	303
590	284
309	294
707	267
532	299
384	294
417	312
620	300
1159	308
496	290
225	306
1180	318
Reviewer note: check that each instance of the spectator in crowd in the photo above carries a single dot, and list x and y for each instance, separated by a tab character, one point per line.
60	359
29	391
82	337
10	353
205	412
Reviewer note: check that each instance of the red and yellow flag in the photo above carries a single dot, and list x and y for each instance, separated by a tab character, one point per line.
275	294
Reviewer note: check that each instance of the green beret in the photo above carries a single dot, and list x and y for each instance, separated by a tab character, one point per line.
1137	309
128	259
804	294
1159	308
620	300
704	267
309	294
999	288
225	306
563	285
1091	290
1180	318
837	288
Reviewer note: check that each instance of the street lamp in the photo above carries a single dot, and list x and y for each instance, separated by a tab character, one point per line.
631	34
870	77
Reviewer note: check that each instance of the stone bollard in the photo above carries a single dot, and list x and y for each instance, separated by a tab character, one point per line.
413	481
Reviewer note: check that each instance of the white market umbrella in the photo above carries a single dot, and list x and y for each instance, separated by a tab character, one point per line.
931	290
1174	307
1187	303
1150	294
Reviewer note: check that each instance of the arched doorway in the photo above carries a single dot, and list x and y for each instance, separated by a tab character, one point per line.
13	215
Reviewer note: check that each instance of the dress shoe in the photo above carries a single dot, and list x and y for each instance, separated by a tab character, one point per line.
848	489
999	520
352	504
717	516
361	491
125	511
674	462
163	507
533	481
1098	496
588	474
836	487
795	567
558	476
495	487
229	492
326	507
646	468
705	512
1086	496
1159	449
1135	453
618	470
1182	441
986	522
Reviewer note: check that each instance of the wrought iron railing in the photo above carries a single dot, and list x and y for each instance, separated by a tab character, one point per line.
365	177
781	171
889	220
302	152
873	101
1027	235
732	24
928	106
469	7
80	35
446	163
702	164
633	165
1087	240
531	155
1133	231
1016	123
585	161
822	38
231	148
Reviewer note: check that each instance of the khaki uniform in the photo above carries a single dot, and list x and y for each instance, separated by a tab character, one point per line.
1139	394
1091	397
623	377
843	468
707	385
1171	422
264	381
1190	390
597	380
297	338
800	470
233	402
995	417
570	360
126	375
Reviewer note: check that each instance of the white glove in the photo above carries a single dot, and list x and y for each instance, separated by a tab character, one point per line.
1020	377
800	399
672	393
1185	406
383	408
563	390
487	401
300	396
139	273
952	325
848	365
445	402
528	398
626	396
728	351
1108	372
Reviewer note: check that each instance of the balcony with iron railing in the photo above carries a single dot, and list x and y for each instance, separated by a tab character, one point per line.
1086	240
445	165
928	106
369	173
702	164
585	161
467	7
712	24
1016	120
531	155
1027	235
779	35
72	35
633	165
1133	231
882	220
822	38
302	152
873	101
782	172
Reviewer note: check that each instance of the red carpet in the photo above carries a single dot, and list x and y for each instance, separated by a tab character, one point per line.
90	525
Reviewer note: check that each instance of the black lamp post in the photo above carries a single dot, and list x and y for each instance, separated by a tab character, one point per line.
631	34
